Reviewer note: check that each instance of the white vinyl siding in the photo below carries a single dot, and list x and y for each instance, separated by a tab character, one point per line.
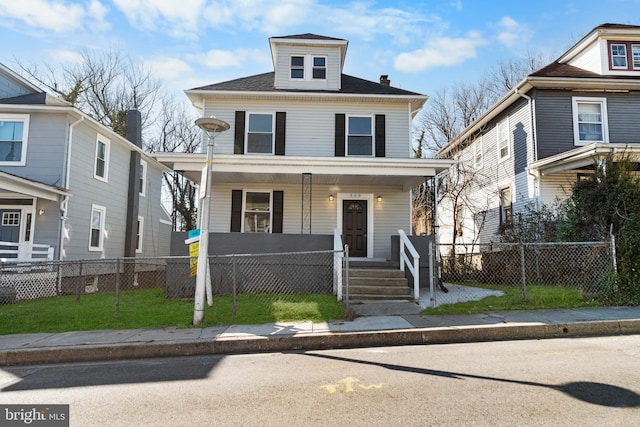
283	78
310	127
391	213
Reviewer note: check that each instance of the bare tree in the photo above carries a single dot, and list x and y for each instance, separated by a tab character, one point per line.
177	133
105	85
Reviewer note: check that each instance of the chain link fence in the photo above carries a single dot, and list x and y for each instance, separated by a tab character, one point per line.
267	277
464	269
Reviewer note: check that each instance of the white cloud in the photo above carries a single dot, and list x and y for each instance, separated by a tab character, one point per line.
66	56
440	52
179	17
166	68
510	31
54	15
218	59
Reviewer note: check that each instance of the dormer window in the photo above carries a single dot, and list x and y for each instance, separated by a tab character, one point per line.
319	67
297	67
308	67
624	56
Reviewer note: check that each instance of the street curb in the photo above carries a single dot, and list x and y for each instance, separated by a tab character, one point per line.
317	341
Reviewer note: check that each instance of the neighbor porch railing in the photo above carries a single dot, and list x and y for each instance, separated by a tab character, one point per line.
337	263
11	251
412	265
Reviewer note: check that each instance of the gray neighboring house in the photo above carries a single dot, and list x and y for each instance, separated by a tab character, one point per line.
70	188
310	150
548	132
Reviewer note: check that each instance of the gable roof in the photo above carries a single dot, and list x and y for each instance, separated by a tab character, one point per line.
308	36
265	83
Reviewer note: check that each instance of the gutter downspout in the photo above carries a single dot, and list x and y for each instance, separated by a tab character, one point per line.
534	153
64	206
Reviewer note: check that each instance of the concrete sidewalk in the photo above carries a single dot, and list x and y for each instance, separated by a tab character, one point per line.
368	331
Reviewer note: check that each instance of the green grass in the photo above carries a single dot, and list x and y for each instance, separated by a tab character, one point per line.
147	308
538	297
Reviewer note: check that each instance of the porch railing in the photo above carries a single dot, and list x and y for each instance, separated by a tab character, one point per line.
412	265
337	263
11	251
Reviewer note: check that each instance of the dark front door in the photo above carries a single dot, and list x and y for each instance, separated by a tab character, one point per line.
354	226
10	225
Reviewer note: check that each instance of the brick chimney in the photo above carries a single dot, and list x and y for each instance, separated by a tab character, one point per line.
384	80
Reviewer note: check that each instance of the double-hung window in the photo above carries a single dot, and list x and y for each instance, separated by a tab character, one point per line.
13	139
477	154
96	232
308	67
360	136
101	167
506	208
624	55
503	140
319	67
297	67
619	56
590	120
257	212
260	133
139	234
143	178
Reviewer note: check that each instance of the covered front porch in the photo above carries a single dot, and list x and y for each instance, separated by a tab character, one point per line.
29	219
367	199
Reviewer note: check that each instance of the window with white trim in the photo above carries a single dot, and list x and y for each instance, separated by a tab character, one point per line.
319	68
14	129
589	120
139	234
477	154
260	132
359	136
143	178
504	147
101	167
256	212
96	231
308	67
619	56
11	219
506	207
297	67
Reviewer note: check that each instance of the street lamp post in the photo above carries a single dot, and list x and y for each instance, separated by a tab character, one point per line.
211	126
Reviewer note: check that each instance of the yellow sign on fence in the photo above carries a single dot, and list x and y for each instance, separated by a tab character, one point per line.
194	249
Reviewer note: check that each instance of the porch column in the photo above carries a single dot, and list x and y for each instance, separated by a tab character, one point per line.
305	227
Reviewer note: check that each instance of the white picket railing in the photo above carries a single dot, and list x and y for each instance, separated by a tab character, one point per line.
337	263
414	266
11	251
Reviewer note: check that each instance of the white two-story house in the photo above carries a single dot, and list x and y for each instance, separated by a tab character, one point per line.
532	146
309	150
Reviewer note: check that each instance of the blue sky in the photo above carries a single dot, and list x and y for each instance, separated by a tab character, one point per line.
424	46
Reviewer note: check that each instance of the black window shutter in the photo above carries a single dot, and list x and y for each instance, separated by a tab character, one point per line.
236	210
238	141
281	125
340	135
278	202
380	135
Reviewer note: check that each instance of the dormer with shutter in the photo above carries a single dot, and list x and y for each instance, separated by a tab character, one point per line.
308	62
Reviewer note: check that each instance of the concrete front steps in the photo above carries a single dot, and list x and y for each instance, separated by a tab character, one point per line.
377	284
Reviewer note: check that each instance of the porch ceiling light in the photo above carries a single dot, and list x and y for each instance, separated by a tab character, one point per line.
211	126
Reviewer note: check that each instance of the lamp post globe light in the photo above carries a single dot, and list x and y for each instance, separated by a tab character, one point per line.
211	126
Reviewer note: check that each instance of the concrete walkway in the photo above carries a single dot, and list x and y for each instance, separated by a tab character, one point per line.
383	329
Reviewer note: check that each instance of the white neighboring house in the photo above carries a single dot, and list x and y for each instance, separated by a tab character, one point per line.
309	150
532	146
70	188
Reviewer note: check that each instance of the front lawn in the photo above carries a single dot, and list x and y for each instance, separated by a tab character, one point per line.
148	308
